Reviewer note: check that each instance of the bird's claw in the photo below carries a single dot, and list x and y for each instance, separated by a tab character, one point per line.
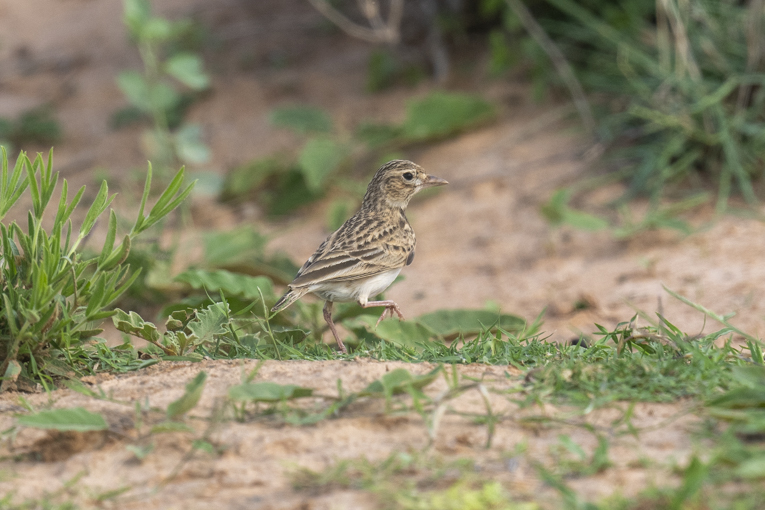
390	309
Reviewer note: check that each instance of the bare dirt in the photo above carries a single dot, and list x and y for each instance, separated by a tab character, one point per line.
482	239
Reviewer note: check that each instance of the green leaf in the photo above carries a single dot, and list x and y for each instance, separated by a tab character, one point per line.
111	235
169	200
77	419
233	284
156	30
405	333
133	324
188	69
210	322
695	475
583	221
558	212
137	13
171	426
189	145
267	392
319	159
449	323
302	119
101	202
118	256
189	399
752	468
442	114
397	381
135	88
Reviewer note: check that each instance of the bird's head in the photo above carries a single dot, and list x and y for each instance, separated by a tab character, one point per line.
396	182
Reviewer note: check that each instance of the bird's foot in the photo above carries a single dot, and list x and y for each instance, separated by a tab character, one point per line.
390	308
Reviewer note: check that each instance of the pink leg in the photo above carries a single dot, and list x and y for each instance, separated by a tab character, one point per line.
390	307
328	318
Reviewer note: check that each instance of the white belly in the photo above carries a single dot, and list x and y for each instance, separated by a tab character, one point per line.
359	290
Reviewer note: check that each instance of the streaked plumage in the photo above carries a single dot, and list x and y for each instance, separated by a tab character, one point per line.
363	257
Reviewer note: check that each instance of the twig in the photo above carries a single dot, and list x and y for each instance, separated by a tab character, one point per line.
562	66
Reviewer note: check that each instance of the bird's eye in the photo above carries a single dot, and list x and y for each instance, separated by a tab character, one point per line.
408	176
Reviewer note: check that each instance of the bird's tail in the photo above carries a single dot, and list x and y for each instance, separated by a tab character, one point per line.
290	297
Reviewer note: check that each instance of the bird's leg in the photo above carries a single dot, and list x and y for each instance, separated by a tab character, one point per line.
328	318
390	307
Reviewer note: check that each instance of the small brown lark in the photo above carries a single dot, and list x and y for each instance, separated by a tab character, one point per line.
363	257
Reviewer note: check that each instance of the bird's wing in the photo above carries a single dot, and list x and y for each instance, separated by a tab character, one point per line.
336	262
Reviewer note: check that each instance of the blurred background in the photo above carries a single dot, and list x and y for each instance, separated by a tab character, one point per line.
592	147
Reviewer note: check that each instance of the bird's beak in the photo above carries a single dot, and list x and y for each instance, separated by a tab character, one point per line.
432	181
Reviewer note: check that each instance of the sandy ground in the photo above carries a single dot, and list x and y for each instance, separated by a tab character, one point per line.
481	239
256	457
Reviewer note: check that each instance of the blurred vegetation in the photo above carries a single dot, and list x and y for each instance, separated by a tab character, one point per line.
282	184
173	76
671	89
676	86
37	126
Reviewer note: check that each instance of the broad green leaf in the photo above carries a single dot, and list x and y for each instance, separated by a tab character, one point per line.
267	392
133	324
408	333
137	13
234	284
162	97
302	119
190	398
209	322
156	30
189	70
448	323
319	159
441	114
397	381
134	86
76	419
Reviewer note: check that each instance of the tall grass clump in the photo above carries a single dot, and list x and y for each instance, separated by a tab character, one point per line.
676	86
53	295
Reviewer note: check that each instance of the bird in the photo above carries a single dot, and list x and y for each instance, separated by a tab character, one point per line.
365	255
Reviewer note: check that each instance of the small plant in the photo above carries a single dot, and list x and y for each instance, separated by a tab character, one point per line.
155	92
53	296
36	126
